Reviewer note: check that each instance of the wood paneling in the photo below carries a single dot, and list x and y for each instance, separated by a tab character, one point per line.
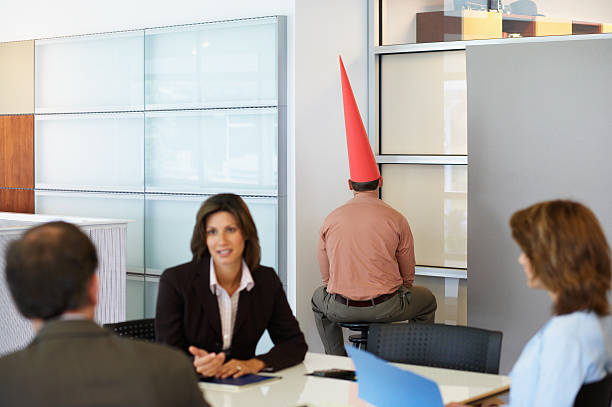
17	200
17	151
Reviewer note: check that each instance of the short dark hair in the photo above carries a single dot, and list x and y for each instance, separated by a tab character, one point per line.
365	186
235	205
568	252
48	268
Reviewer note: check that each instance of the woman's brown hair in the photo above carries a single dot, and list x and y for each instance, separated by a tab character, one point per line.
568	252
235	205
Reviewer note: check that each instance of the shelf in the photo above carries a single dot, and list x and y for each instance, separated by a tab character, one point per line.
444	26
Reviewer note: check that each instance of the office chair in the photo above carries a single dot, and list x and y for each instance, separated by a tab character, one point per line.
437	345
143	329
597	394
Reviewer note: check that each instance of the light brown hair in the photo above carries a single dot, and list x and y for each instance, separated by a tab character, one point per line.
235	205
568	252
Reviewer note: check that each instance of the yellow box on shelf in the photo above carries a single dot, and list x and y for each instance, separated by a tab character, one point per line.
548	26
481	25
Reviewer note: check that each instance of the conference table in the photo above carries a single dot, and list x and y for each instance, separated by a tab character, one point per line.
295	389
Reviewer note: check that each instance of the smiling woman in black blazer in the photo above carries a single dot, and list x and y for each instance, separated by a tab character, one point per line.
217	306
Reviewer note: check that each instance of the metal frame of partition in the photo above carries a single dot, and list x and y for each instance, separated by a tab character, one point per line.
375	51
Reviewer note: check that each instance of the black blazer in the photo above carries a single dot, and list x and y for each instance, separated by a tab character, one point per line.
188	314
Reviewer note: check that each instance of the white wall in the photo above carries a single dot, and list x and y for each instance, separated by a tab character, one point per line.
32	19
596	11
323	30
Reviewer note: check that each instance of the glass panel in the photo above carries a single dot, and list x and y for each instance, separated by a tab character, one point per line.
135	298
405	22
169	227
434	200
212	65
212	151
90	73
150	297
99	205
90	152
423	100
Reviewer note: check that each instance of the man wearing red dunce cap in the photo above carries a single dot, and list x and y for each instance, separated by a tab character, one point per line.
366	250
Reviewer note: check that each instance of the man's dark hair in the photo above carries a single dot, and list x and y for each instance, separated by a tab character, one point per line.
48	269
364	186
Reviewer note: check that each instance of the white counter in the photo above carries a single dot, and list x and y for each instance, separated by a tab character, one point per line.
109	237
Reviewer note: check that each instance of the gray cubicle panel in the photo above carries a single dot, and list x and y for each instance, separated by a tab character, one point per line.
539	127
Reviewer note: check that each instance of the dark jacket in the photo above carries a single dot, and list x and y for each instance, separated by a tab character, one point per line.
77	363
188	314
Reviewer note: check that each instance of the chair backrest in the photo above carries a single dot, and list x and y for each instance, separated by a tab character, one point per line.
137	329
437	345
597	394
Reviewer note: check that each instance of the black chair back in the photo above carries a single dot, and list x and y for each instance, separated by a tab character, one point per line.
143	329
437	345
597	394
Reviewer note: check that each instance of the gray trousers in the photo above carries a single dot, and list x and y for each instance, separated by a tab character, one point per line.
416	304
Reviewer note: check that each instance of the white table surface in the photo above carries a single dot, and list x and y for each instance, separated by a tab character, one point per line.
296	389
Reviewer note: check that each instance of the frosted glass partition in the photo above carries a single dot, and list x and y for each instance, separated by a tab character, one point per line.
90	151
423	103
101	205
90	73
221	64
434	200
135	291
169	227
151	286
208	151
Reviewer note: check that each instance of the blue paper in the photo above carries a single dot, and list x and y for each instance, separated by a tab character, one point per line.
385	385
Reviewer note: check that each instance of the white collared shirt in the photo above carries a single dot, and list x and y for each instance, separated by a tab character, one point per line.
228	306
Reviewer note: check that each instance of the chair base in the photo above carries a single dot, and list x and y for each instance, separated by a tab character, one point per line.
360	341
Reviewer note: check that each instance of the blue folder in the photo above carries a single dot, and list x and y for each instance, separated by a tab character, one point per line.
385	385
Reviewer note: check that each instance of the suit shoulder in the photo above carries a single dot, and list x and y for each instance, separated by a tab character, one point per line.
180	272
265	275
12	359
164	356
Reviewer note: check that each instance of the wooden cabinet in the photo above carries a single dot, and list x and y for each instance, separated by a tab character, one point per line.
17	200
17	151
17	77
437	26
17	163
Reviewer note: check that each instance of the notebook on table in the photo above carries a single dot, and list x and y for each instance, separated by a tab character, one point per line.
240	383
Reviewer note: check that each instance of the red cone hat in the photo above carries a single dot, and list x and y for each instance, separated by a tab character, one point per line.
361	159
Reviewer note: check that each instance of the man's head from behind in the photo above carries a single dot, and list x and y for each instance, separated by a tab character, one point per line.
50	270
365	186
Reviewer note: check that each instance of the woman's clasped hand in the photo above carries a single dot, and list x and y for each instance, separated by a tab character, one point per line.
214	364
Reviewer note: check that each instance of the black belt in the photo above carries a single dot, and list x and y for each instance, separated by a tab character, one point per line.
363	303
